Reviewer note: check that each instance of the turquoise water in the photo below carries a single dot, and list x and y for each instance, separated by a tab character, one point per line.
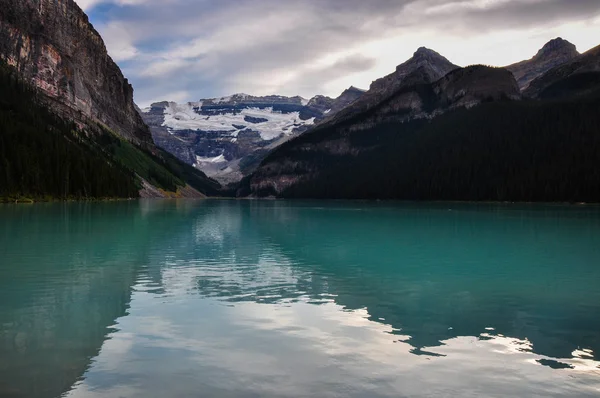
299	299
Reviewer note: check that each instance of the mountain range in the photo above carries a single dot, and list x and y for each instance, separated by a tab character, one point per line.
227	137
430	130
473	134
216	136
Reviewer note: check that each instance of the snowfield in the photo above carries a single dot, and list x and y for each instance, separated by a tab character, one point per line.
183	117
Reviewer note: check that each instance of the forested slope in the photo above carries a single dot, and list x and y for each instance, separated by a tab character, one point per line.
497	151
44	157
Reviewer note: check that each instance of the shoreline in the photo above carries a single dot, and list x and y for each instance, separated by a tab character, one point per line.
26	201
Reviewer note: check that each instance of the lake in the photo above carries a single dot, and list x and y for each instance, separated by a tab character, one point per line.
299	299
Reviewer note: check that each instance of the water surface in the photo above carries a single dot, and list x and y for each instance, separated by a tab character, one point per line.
299	299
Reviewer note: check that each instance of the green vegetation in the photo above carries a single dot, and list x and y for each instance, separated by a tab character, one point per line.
135	158
43	157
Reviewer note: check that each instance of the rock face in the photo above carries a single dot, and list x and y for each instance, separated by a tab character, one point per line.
349	96
433	64
425	66
555	53
579	76
53	45
227	137
300	160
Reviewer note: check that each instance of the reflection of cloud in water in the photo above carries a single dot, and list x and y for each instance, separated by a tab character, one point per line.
289	289
225	305
191	345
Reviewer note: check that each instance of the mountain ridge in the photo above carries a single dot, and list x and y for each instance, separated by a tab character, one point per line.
425	66
554	53
226	137
586	67
416	100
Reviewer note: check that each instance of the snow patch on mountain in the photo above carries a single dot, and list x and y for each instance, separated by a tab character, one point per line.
216	159
271	125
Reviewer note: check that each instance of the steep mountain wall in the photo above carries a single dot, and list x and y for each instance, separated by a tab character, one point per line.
53	45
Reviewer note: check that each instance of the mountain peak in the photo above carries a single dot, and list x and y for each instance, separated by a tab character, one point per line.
353	89
554	53
434	64
424	51
424	54
558	46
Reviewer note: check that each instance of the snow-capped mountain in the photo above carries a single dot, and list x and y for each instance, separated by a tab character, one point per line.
227	137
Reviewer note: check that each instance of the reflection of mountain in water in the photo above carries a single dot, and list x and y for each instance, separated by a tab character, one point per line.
59	301
431	273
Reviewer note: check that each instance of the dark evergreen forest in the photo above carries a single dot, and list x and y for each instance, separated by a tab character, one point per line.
527	150
44	157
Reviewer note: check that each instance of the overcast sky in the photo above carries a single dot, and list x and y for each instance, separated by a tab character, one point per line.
184	50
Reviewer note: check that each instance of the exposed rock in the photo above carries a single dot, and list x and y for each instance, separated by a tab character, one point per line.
425	66
473	85
463	87
434	65
554	53
254	120
348	97
317	107
53	45
579	76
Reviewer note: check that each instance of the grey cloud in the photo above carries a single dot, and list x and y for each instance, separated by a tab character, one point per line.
312	80
523	14
251	43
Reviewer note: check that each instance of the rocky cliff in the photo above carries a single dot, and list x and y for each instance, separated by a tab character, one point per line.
53	45
554	53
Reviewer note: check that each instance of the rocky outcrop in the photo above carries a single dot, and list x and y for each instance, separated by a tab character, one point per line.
317	107
301	160
53	45
348	97
463	87
579	76
433	64
555	53
467	87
